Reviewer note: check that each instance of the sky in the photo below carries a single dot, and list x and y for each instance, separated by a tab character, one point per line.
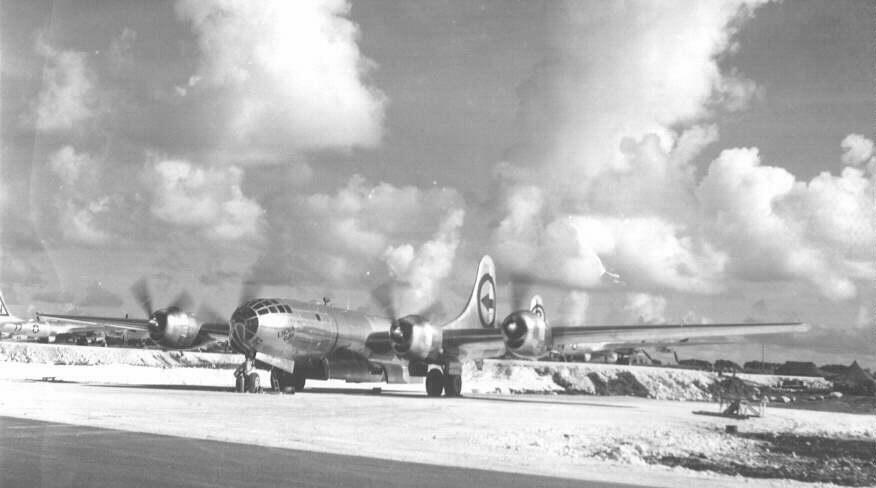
637	163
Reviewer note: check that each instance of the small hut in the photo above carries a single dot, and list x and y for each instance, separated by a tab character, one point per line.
855	381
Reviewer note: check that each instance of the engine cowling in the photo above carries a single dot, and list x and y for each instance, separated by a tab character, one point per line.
173	328
526	335
414	338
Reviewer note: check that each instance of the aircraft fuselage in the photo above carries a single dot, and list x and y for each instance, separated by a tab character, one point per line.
305	332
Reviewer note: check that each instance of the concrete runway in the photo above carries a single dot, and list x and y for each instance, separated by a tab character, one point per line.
47	454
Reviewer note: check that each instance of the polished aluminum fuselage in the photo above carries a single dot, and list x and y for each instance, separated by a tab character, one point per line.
306	331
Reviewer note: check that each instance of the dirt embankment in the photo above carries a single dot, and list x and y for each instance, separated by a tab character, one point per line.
62	354
493	376
509	377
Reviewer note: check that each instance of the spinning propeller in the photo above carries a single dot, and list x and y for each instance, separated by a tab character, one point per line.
401	328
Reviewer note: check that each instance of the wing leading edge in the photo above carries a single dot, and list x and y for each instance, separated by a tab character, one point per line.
98	322
657	334
470	344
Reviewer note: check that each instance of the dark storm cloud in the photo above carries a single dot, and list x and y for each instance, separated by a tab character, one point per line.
97	296
220	277
20	270
53	296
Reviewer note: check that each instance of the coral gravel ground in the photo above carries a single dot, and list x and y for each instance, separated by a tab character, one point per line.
548	431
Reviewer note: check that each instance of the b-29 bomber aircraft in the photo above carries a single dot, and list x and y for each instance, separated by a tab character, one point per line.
50	330
301	341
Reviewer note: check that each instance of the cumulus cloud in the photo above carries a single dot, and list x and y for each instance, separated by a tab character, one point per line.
642	308
857	151
120	53
625	71
775	227
81	209
289	75
422	269
98	296
20	270
866	318
359	235
206	198
613	123
67	94
692	317
645	251
53	296
573	309
219	277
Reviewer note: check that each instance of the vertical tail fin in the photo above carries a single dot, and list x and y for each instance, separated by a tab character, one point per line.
480	311
4	312
536	306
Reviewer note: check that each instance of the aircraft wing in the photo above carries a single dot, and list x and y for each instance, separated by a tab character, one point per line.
209	328
664	333
474	344
95	323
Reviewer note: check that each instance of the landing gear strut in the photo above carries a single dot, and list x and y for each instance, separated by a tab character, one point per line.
287	382
438	381
246	377
250	383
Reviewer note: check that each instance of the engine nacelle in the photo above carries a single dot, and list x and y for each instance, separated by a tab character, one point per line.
173	328
414	338
526	334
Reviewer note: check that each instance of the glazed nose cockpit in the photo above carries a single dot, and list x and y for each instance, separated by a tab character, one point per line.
245	322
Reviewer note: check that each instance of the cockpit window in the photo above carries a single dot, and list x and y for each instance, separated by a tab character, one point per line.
273	309
262	311
287	309
317	317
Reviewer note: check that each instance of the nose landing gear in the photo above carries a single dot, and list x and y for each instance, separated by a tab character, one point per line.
248	383
246	378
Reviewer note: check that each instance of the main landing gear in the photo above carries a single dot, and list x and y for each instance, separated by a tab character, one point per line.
287	382
444	381
246	377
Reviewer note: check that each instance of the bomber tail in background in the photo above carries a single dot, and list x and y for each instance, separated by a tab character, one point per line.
536	306
4	312
480	311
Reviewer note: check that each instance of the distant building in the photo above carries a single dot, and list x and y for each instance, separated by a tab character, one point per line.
833	370
799	368
695	364
760	367
855	381
726	366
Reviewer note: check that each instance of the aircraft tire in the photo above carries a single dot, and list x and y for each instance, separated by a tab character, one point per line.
453	385
282	381
300	380
240	384
434	383
275	380
253	383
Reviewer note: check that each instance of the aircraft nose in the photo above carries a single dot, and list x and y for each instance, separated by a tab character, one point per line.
244	323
